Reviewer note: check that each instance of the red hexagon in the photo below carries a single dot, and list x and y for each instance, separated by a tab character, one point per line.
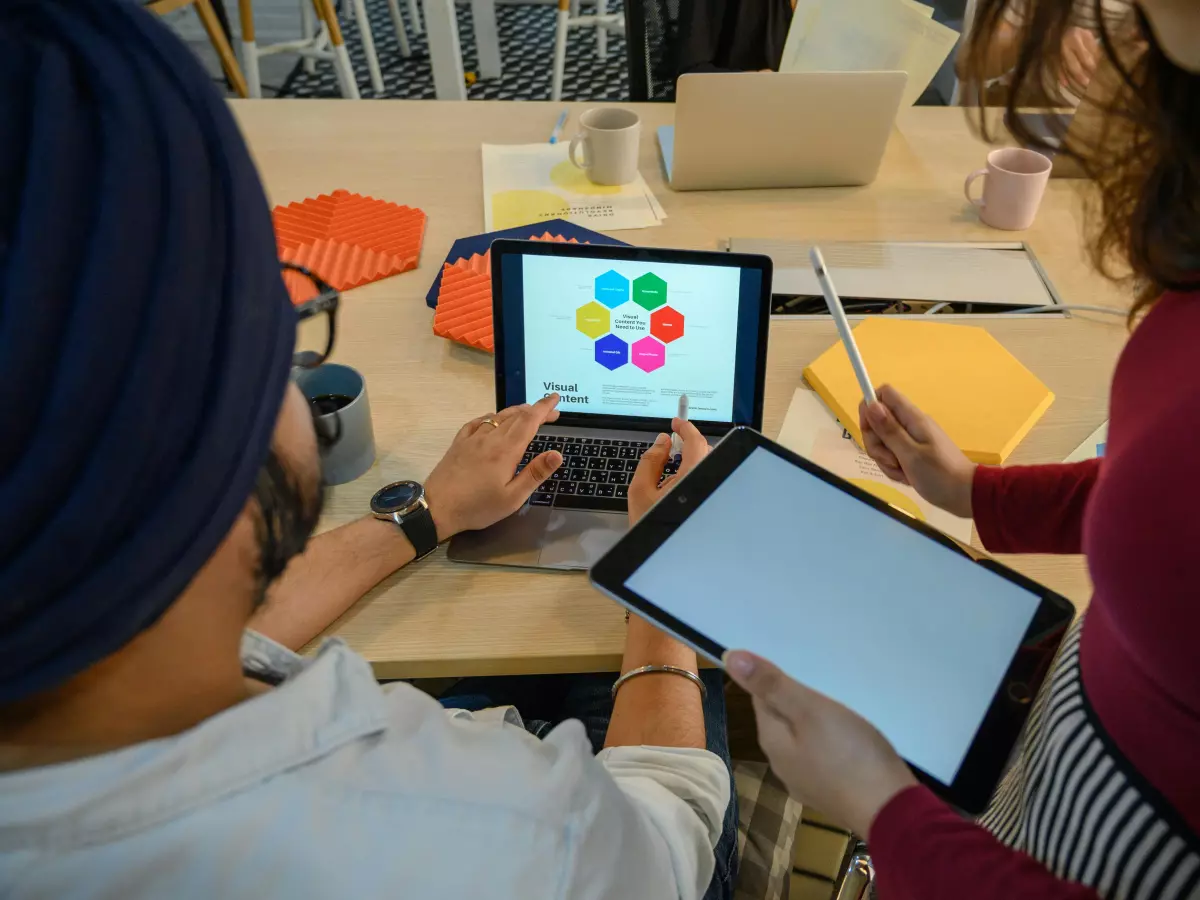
666	324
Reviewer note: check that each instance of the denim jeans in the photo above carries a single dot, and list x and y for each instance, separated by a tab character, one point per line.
546	700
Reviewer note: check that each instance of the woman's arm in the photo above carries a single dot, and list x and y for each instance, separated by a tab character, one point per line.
1033	509
922	849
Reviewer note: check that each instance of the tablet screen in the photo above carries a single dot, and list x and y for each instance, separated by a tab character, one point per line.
907	632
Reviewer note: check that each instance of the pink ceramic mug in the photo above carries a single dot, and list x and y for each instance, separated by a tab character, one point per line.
1015	180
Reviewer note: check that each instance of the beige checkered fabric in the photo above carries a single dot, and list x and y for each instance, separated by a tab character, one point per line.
767	823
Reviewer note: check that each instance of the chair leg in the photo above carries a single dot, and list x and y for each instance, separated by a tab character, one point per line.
249	48
341	59
308	31
398	27
601	31
560	49
414	13
368	42
216	35
487	38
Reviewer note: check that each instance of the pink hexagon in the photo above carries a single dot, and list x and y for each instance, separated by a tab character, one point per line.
648	354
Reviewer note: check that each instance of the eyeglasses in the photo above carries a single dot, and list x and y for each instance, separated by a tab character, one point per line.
313	297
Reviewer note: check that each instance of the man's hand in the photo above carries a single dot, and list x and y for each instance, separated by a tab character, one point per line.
912	449
645	490
1080	56
825	754
474	485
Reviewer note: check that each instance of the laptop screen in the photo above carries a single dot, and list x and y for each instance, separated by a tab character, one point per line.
623	338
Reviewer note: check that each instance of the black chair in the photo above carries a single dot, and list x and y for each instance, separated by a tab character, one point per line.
651	28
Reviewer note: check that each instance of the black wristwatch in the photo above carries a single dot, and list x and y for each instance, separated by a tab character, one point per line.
404	503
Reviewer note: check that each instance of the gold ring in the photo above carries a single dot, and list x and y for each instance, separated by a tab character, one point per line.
490	421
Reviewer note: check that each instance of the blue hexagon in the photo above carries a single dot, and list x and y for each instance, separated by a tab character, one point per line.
612	289
612	352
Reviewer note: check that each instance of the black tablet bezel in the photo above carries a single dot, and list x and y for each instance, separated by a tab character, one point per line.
988	755
505	247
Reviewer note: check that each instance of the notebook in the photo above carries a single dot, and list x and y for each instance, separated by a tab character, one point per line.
666	143
964	378
466	247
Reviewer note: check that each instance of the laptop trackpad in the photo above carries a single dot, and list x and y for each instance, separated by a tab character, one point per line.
515	541
574	539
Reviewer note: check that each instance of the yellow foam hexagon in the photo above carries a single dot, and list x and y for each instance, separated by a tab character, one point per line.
959	374
592	319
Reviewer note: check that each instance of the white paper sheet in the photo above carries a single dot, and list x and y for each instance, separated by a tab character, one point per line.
529	183
811	430
1092	447
1002	274
868	36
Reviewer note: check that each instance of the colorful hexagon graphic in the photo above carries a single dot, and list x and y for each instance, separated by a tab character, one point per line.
648	354
666	324
612	289
649	291
592	319
612	352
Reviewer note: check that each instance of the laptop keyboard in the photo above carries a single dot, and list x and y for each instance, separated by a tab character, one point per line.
595	473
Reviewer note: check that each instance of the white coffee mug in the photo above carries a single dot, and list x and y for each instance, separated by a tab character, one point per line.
609	140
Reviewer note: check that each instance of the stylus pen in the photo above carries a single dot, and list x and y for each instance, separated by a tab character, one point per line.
843	326
556	134
676	440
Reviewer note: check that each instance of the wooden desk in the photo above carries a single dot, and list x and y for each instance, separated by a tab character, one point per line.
437	618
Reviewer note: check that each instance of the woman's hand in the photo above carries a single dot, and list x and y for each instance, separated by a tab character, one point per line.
644	490
825	754
474	486
912	449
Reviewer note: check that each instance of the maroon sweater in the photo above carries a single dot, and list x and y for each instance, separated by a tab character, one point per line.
1136	516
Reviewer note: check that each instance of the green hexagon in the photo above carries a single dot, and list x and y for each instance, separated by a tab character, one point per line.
592	319
649	291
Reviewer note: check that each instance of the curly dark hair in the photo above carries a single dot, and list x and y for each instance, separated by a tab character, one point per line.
1141	146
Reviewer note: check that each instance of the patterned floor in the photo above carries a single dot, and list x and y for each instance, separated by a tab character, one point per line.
526	48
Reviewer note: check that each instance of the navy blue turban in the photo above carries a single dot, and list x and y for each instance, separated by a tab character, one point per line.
145	333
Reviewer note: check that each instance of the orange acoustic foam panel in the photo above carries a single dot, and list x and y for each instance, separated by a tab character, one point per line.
464	310
347	239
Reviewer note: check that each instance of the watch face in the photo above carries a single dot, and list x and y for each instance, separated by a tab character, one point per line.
396	497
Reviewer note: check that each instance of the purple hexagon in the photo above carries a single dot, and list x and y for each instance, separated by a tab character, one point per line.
612	352
648	354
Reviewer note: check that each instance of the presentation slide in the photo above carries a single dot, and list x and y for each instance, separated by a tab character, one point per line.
627	338
909	634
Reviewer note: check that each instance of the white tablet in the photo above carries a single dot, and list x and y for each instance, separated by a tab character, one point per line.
761	550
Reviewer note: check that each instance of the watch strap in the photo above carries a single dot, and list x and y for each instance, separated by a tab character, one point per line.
418	527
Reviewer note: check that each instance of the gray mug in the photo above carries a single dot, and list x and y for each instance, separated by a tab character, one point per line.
350	449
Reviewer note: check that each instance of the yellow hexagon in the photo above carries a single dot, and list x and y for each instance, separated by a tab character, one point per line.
592	320
980	394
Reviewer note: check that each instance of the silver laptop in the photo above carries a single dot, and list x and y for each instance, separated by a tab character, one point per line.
620	333
779	129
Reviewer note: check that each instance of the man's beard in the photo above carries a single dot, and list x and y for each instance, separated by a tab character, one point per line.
288	515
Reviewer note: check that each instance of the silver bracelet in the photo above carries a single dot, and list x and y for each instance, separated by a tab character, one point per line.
670	670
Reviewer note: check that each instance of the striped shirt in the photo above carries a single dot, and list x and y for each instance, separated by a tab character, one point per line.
1074	802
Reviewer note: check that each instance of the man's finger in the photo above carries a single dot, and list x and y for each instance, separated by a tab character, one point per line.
766	682
650	468
525	425
695	446
531	477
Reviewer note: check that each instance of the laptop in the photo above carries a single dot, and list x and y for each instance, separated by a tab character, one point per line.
779	129
619	333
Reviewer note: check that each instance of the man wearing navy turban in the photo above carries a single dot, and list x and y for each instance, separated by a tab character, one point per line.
158	474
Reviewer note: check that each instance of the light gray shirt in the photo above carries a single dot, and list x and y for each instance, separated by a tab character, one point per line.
331	787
